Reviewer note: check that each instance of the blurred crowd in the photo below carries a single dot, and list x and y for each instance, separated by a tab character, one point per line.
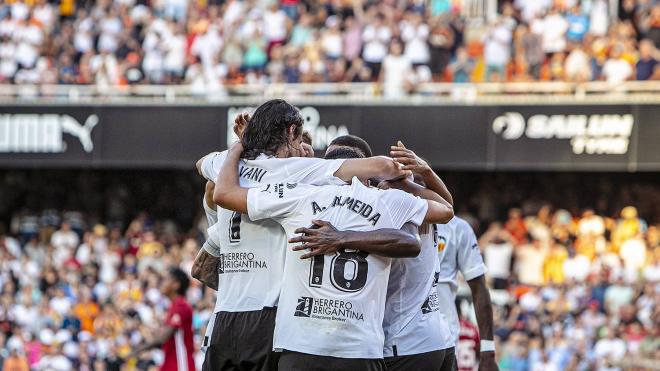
574	292
574	288
80	297
210	44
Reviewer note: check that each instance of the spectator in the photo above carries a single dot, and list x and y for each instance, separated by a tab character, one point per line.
578	25
352	38
415	35
275	25
609	349
462	67
616	69
577	67
647	62
441	41
532	47
497	50
395	72
498	253
530	258
65	238
598	18
331	40
553	29
376	36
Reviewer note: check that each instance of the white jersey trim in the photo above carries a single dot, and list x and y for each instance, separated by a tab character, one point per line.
181	352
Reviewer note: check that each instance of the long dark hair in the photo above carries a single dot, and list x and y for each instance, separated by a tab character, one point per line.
268	128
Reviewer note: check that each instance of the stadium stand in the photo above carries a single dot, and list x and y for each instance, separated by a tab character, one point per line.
210	45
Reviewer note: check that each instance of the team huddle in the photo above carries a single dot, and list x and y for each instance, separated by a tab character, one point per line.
343	263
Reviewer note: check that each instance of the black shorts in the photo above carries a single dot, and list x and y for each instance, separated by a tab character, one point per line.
242	341
294	361
431	361
449	363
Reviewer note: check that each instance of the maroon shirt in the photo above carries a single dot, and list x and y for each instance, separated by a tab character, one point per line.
179	348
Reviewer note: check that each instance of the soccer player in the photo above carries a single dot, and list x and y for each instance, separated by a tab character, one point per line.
351	142
458	251
176	335
205	267
251	253
331	307
416	333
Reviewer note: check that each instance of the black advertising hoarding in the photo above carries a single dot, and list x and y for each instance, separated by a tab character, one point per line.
108	136
518	137
571	137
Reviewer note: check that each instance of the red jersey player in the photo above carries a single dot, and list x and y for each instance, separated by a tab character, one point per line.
176	336
467	352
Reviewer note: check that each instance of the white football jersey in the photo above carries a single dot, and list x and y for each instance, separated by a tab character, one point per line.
211	218
211	215
333	305
413	322
252	252
457	251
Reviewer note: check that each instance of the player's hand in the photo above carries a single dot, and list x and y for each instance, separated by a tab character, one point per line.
322	238
408	159
240	123
487	362
307	150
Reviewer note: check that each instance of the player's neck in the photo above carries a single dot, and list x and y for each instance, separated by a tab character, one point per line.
282	152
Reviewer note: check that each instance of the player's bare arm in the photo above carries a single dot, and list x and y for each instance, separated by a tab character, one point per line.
372	167
326	239
160	337
228	193
205	269
205	265
410	161
484	312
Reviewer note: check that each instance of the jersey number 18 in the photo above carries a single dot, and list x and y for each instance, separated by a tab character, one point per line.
348	271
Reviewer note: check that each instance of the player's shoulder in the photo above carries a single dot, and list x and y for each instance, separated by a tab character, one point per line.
391	193
215	155
289	188
181	305
460	224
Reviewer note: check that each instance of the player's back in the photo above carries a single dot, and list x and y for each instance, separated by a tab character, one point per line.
340	296
252	252
457	251
413	323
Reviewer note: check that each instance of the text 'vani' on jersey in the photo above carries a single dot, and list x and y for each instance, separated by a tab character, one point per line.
413	322
332	305
457	251
252	252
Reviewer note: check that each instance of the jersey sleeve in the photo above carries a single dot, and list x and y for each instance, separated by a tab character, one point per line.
211	215
211	165
314	171
404	207
275	200
468	256
212	244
